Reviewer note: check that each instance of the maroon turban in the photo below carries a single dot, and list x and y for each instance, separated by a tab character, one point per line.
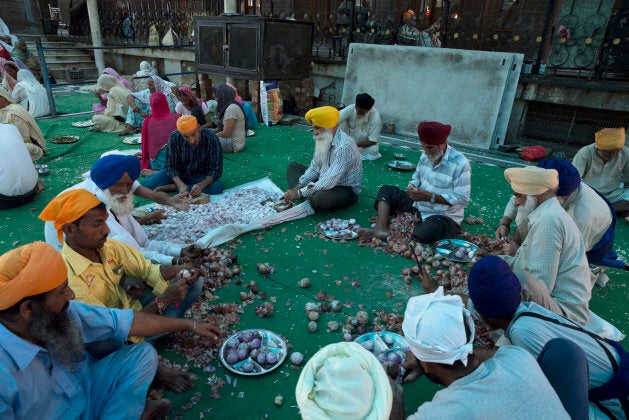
433	132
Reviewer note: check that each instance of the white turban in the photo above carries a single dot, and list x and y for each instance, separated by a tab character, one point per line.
434	327
344	381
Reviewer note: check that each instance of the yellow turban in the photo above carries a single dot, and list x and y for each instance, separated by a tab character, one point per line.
610	138
532	180
324	116
328	384
186	124
67	207
29	270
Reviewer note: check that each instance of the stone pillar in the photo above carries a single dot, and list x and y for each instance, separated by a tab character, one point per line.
97	38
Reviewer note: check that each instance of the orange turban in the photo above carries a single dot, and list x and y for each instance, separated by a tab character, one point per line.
67	207
532	180
324	116
186	124
610	138
29	270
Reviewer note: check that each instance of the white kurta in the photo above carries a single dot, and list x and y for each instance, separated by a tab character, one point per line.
348	122
610	178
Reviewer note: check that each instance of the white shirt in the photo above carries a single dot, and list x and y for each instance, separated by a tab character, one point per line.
18	175
610	178
125	229
348	122
182	110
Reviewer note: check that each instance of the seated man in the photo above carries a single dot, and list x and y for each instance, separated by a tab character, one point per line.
361	121
551	262
590	210
46	373
604	165
333	179
19	183
194	160
440	333
11	113
439	190
343	380
496	296
113	180
97	268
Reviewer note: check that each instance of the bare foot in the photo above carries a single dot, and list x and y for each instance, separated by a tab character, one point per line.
40	186
155	409
365	233
174	379
167	188
381	234
129	129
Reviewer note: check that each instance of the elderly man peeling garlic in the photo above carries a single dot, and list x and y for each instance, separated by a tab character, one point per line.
97	267
113	180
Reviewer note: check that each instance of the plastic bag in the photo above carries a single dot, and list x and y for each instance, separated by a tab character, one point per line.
153	36
170	39
271	103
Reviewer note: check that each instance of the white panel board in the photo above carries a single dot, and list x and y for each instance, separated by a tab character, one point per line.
471	90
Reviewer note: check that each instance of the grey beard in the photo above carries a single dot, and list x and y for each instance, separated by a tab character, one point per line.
434	158
120	208
323	142
59	335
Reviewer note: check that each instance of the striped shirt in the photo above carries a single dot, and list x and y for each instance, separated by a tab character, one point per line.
451	178
188	162
344	168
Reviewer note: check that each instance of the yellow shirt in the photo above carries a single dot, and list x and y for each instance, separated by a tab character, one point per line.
98	284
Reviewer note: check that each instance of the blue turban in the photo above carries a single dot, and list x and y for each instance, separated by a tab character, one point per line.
569	178
107	170
493	288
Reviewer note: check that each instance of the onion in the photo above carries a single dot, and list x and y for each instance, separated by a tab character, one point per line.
333	325
243	353
312	326
255	343
296	358
247	367
335	305
304	283
261	357
313	315
347	337
368	345
388	338
393	357
233	343
231	357
271	357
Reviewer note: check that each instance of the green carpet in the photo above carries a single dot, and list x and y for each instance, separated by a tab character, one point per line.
360	277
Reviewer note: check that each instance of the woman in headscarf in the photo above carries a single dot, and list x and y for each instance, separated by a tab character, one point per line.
188	102
112	120
250	114
29	93
101	105
156	130
232	124
9	74
139	103
27	126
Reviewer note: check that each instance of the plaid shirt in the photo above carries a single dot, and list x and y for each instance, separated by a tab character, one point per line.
188	162
451	178
344	168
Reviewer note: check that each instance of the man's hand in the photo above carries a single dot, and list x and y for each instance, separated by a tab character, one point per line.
192	275
509	247
179	201
196	190
291	195
175	292
429	284
205	329
412	368
153	217
191	251
417	194
502	232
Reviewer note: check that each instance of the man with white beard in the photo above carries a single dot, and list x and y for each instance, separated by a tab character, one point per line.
361	121
113	178
333	179
438	192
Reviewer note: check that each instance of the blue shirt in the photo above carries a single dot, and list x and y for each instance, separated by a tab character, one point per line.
35	386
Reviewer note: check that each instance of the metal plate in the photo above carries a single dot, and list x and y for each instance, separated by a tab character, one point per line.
447	247
132	140
401	165
65	139
269	339
83	124
383	341
339	235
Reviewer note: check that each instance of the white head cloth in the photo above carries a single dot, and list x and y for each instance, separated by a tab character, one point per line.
346	382
434	327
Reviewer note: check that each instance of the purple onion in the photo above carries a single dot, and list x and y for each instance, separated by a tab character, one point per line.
233	343
367	345
247	336
231	357
393	357
388	338
247	367
261	357
382	357
297	358
255	343
243	351
254	353
271	357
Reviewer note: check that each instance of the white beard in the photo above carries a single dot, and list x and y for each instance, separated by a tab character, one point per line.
529	205
433	158
120	208
323	142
